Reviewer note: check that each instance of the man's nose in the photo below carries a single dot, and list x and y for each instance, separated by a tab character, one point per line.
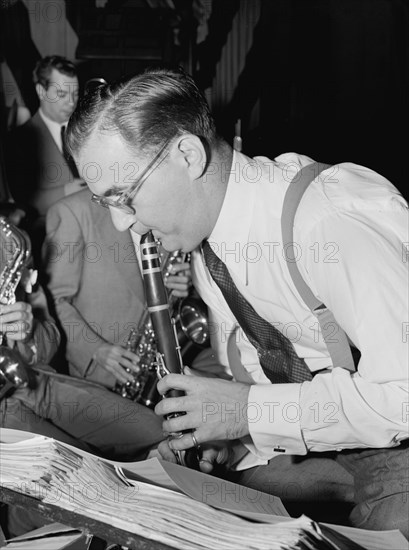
121	220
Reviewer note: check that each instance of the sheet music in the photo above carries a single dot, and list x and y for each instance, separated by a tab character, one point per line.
59	474
209	489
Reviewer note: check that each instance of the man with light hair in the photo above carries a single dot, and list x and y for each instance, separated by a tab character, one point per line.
299	413
40	172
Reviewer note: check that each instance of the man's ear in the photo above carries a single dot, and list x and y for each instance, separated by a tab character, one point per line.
193	154
41	91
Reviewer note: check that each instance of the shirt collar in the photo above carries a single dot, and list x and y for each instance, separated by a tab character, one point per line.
53	127
51	123
230	235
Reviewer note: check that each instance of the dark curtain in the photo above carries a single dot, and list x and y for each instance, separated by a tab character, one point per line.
332	80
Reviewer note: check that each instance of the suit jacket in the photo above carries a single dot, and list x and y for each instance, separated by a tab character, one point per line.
95	281
37	170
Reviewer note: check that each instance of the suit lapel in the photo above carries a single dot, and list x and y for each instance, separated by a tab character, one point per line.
52	154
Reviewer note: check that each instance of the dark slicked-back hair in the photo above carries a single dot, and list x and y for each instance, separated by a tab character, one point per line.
146	111
44	67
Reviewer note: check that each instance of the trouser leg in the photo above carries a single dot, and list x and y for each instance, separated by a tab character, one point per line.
117	427
314	485
16	415
381	480
371	485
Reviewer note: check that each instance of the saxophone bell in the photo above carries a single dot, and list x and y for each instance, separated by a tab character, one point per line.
193	320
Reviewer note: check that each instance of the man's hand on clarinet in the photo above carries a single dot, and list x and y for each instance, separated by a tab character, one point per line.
213	454
216	410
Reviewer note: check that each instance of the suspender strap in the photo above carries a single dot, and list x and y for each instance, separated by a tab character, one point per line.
334	336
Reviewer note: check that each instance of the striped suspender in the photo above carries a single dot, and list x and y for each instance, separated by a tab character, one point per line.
334	336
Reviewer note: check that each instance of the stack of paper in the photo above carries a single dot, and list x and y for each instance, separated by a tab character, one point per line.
185	512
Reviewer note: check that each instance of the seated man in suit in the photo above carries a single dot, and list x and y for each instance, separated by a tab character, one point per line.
95	280
39	172
33	397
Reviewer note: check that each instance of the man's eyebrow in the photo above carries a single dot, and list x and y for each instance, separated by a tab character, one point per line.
117	190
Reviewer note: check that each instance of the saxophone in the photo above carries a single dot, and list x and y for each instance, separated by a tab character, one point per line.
191	318
15	255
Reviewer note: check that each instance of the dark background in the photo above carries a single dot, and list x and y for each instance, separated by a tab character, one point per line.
327	78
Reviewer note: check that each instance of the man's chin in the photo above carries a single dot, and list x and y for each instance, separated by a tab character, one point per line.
167	243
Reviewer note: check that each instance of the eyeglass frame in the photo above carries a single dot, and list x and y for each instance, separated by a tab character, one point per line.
130	192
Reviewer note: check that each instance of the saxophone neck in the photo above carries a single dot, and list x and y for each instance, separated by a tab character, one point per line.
16	254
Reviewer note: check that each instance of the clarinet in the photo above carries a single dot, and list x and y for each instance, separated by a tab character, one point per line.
168	356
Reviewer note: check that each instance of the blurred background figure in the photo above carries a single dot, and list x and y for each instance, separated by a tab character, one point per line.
35	398
39	171
95	281
17	115
96	285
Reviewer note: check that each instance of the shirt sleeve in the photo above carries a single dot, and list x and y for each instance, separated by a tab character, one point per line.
362	277
46	336
365	285
272	411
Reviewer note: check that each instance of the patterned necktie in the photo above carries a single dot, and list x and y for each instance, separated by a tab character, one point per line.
277	356
67	156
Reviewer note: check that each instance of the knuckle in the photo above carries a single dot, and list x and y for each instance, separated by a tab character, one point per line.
167	405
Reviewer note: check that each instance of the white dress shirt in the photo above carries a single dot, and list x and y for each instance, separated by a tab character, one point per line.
351	238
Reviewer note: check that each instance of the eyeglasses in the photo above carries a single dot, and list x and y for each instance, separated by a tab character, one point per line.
121	200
